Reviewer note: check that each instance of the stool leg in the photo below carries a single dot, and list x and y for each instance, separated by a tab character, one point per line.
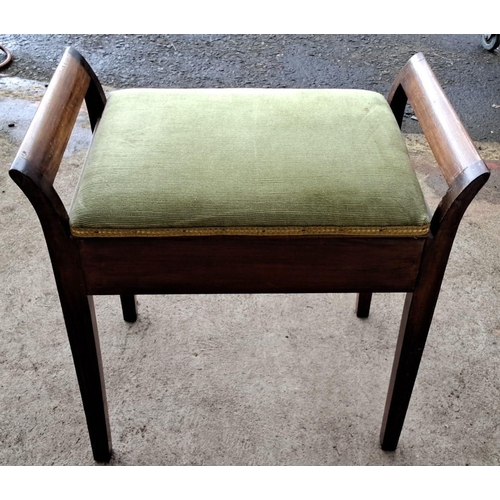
363	305
415	324
78	310
129	308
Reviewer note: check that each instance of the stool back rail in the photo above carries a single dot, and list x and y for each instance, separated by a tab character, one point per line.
84	267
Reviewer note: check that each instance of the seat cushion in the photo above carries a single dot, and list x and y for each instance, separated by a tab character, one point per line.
250	162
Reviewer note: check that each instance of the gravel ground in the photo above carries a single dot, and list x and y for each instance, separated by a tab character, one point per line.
469	74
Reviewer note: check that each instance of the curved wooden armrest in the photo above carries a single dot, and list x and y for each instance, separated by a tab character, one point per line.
41	152
447	137
462	167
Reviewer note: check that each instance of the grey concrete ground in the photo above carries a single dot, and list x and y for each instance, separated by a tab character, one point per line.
245	379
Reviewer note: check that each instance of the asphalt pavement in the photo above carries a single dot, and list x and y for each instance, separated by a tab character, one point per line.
469	73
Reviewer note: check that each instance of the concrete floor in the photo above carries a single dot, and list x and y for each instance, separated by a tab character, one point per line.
245	379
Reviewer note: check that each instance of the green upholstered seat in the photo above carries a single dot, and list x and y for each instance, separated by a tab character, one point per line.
247	161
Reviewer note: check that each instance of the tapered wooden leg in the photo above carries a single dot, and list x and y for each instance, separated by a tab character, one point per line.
78	310
129	308
415	324
363	305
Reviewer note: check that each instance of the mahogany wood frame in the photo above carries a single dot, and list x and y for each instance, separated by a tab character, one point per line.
84	267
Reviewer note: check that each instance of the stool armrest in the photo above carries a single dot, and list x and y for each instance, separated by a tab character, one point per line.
447	137
457	157
37	162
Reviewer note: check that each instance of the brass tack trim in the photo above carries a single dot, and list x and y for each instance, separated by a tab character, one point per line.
402	231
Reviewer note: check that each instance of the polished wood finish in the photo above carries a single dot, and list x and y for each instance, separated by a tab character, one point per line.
55	118
129	308
363	304
447	137
235	264
34	170
77	307
466	174
245	264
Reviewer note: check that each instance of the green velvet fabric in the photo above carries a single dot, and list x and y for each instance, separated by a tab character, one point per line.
247	157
